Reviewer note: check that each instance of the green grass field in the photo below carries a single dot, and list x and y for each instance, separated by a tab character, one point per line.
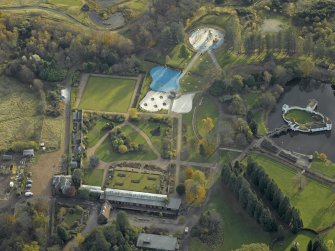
18	113
208	108
95	133
315	202
327	169
93	177
302	117
213	20
260	120
107	94
69	219
145	185
200	75
52	133
302	238
190	151
147	127
239	228
106	153
175	60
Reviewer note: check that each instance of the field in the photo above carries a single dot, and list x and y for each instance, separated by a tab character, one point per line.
95	133
107	94
261	127
239	228
106	153
175	60
325	168
18	113
200	75
52	132
315	201
144	185
93	177
213	20
190	150
147	127
302	117
302	238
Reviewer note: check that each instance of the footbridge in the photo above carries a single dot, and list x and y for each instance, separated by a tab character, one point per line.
279	130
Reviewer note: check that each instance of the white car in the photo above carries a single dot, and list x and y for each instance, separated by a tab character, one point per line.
186	230
28	194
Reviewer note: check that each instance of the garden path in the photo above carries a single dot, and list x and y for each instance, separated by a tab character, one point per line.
147	139
190	64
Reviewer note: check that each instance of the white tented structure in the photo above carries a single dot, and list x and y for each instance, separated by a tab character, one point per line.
155	101
204	39
183	104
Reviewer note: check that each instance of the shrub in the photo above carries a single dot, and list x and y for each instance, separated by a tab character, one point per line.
180	189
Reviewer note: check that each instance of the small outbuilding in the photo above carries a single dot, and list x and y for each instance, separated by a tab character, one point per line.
104	212
157	242
28	153
7	157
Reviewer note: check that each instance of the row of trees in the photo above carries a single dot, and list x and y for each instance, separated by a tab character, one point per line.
271	192
248	199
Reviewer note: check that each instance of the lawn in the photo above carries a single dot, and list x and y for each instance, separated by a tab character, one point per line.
95	133
66	2
105	151
252	99
239	228
69	219
325	168
315	202
302	117
200	75
148	183
302	238
260	120
52	132
208	108
175	60
190	151
147	127
145	87
213	20
107	94
18	113
93	177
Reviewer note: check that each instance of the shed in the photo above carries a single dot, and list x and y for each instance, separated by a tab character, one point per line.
7	157
28	153
104	213
157	242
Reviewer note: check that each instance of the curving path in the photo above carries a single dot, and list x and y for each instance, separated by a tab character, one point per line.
69	17
147	139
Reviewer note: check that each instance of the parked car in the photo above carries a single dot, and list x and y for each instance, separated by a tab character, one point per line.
29	181
28	194
29	185
186	230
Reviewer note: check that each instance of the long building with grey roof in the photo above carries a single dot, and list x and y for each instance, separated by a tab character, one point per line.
157	242
140	201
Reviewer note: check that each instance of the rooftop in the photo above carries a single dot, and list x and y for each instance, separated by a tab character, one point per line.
154	241
151	199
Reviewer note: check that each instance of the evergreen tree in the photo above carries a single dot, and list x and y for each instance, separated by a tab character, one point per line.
183	53
202	150
310	245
